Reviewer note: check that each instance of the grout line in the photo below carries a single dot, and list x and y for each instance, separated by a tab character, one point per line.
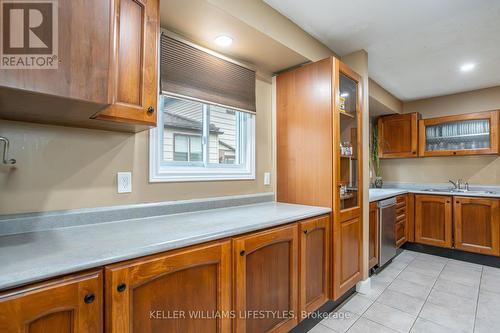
418	315
477	300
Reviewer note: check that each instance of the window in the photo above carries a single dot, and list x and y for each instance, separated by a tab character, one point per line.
197	141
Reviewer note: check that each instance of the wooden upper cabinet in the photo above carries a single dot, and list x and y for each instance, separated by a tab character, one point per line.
163	293
133	79
398	136
314	261
266	279
107	75
373	238
477	225
467	134
433	220
71	304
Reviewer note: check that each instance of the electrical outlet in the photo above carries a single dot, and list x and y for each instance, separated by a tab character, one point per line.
267	178
124	182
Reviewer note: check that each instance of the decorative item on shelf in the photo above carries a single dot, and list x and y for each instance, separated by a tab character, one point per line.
375	159
346	148
342	104
6	159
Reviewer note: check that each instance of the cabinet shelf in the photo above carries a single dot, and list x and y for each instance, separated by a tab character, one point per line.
347	114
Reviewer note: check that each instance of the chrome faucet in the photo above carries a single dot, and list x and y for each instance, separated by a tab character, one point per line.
454	184
460	185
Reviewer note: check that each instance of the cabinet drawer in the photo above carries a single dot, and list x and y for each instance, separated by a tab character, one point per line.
400	211
401	199
401	218
400	233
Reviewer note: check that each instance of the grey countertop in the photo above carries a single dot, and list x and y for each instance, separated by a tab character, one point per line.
394	189
34	256
377	194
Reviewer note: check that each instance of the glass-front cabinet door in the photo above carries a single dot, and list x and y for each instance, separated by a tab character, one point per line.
469	134
349	120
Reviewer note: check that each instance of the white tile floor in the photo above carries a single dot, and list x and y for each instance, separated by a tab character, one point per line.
423	293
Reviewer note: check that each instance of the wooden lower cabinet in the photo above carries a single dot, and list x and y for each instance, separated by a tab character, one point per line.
477	225
68	305
401	221
163	293
348	255
433	220
266	279
373	242
314	263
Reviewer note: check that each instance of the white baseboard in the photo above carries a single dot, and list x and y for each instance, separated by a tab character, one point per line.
364	287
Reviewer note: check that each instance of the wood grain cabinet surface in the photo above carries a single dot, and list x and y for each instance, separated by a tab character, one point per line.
177	291
460	135
314	264
373	236
476	225
398	136
266	279
107	72
311	168
400	231
433	220
73	304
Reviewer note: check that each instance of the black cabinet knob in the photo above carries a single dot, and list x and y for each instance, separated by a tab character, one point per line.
89	298
121	287
151	109
305	232
242	253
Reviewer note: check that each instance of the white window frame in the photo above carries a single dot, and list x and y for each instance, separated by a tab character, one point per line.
160	172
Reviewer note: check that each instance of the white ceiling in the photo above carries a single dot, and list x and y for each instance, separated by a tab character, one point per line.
415	47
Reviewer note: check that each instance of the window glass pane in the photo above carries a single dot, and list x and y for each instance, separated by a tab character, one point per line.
196	151
180	147
182	119
226	135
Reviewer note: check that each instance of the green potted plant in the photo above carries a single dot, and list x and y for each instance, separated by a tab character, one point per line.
375	160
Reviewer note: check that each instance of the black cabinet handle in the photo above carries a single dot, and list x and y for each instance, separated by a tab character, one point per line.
121	287
242	253
89	298
151	109
305	232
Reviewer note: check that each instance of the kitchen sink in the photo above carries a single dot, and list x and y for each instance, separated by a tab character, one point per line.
458	191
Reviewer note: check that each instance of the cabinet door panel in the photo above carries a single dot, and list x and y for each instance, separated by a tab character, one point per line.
60	306
134	72
373	236
350	247
433	224
398	136
174	287
477	225
266	279
314	263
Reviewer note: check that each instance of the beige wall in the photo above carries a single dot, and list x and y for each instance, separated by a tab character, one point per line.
383	102
484	170
65	168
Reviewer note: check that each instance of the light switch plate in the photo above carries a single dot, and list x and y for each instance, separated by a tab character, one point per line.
124	182
267	178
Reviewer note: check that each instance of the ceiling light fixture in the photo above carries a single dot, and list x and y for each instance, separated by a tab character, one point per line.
467	67
223	41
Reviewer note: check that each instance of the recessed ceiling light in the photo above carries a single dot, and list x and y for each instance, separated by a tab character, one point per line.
467	67
224	41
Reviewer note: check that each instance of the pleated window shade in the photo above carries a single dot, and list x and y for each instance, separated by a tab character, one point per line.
193	73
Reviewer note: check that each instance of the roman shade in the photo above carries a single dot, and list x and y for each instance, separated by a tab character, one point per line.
191	72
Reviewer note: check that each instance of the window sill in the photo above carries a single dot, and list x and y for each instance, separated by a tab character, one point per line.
178	178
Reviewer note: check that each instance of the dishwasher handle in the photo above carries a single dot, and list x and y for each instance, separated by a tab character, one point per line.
387	202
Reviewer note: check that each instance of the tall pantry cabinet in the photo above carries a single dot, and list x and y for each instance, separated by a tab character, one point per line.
319	149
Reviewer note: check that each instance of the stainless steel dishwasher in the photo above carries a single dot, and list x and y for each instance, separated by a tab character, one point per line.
387	241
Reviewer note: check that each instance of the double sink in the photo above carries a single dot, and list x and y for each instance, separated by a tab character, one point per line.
453	190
